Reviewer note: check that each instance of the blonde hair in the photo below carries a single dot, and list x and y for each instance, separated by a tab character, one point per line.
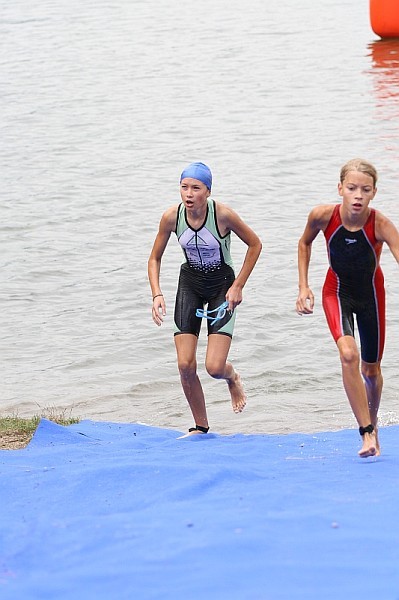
358	164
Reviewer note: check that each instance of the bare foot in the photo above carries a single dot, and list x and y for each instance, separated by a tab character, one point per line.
370	445
190	433
377	443
237	393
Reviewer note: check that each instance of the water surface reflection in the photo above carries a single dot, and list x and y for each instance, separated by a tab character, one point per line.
384	71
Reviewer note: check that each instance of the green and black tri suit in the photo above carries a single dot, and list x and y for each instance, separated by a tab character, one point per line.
206	274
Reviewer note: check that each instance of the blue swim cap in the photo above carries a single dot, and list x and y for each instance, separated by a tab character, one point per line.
197	170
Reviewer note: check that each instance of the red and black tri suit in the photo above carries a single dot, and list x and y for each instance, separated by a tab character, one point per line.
354	285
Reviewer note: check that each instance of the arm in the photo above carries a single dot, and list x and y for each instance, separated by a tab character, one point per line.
228	220
166	226
386	231
317	220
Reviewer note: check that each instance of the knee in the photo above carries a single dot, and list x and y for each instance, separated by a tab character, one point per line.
371	370
215	370
349	356
187	368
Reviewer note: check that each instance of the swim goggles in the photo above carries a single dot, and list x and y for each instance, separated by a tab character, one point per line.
209	314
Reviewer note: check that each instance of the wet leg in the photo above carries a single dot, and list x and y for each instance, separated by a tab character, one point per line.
218	367
186	348
356	391
373	381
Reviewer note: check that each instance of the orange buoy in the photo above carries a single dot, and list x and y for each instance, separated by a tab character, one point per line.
384	18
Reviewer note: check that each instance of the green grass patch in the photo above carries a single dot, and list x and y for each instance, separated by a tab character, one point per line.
17	431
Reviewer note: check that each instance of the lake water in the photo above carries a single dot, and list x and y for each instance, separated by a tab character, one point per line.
102	105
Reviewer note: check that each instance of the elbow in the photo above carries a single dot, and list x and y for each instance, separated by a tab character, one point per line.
152	263
257	245
302	245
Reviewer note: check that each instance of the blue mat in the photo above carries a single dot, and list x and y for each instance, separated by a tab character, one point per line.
126	511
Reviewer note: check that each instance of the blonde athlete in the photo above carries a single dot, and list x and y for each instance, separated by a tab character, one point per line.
354	285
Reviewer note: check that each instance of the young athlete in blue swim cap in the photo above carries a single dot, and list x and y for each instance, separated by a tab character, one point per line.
203	228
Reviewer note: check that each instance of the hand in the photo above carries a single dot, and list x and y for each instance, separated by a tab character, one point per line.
234	297
305	302
158	310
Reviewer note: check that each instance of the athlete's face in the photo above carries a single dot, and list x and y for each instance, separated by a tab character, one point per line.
194	193
357	190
